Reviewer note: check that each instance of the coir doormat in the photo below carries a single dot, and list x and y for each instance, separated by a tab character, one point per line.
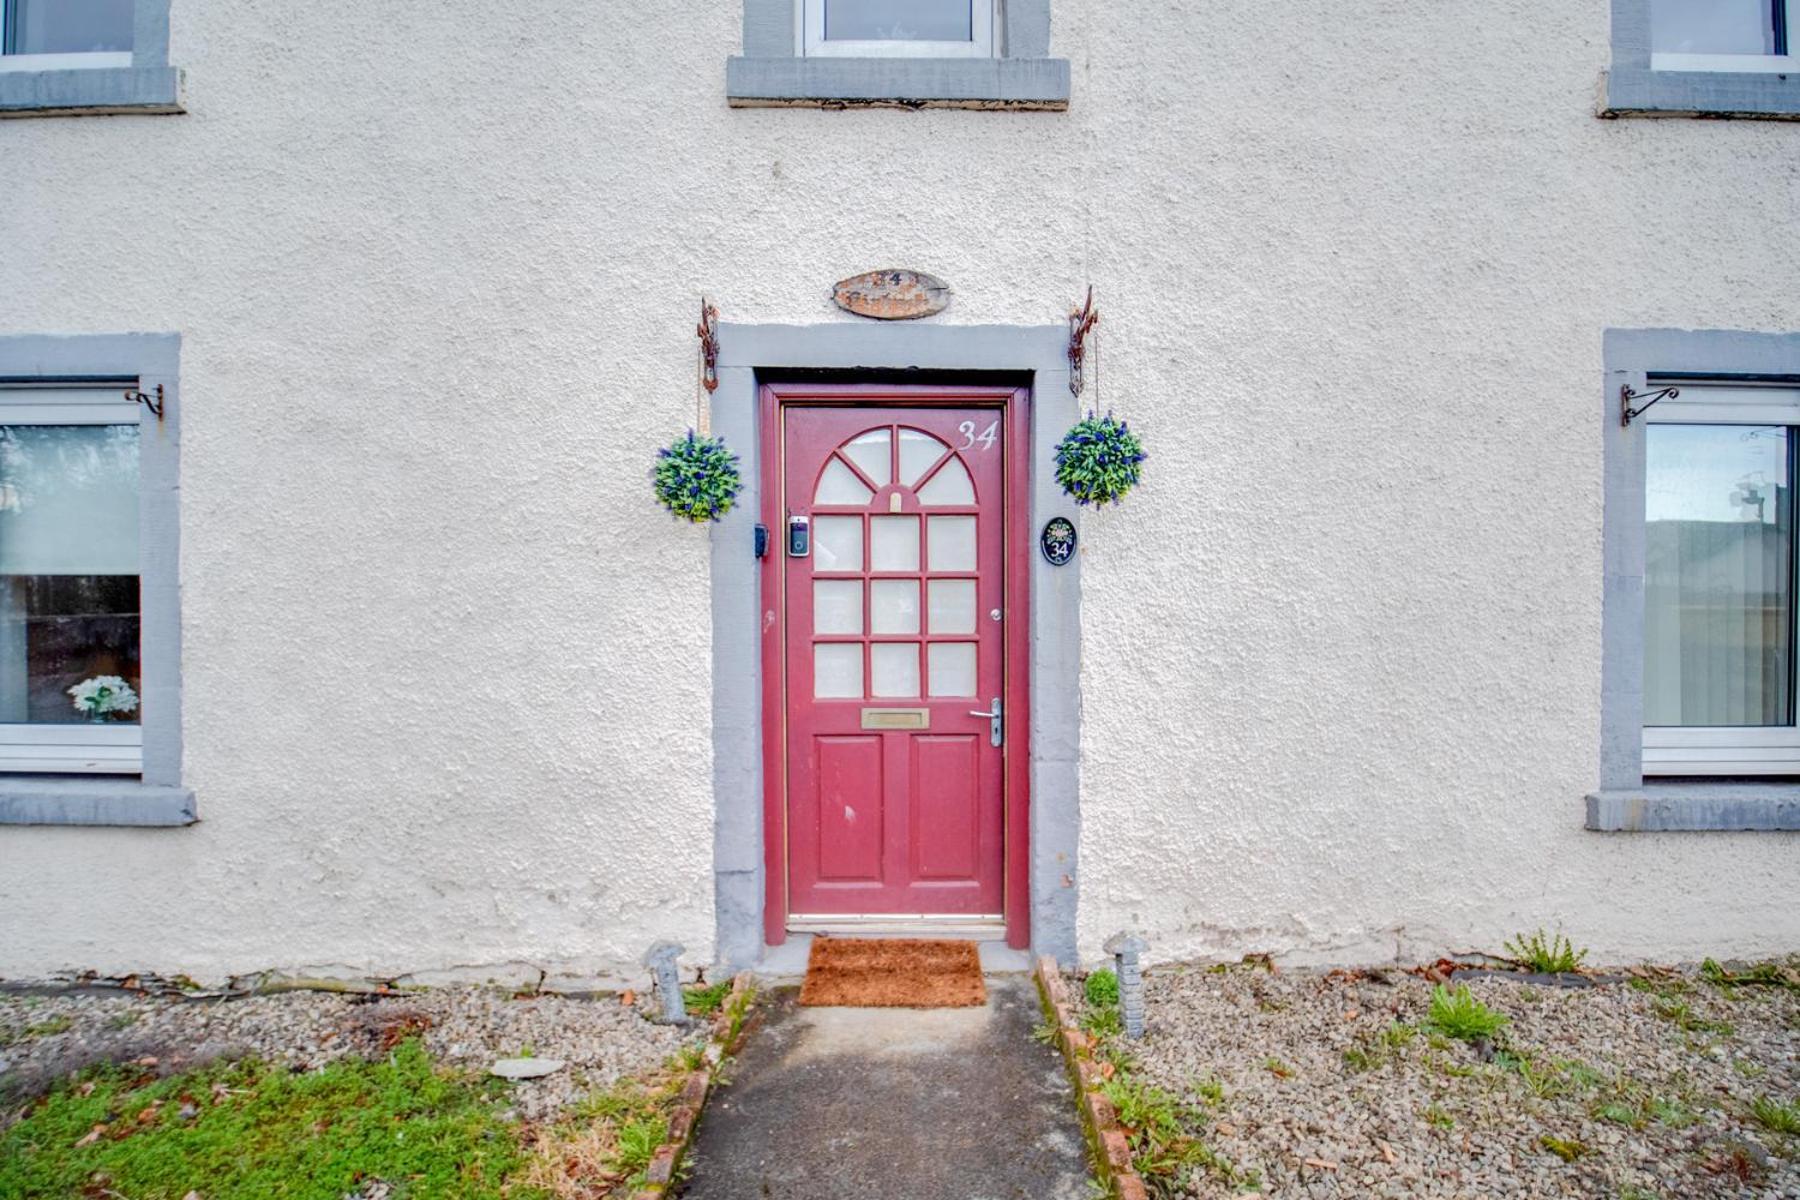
892	973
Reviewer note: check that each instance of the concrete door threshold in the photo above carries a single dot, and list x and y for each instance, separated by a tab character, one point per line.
786	963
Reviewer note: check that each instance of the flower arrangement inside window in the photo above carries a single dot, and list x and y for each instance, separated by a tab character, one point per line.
99	698
1099	461
697	478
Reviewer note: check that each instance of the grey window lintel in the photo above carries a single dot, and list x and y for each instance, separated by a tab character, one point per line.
1684	806
1632	89
93	800
790	81
148	85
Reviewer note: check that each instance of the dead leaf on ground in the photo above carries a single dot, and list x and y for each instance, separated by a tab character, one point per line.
91	1136
1387	1151
1321	1163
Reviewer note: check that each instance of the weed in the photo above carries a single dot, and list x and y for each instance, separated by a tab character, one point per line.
1747	1069
1566	1149
1632	1191
1777	1117
704	1000
1363	1058
1209	1091
638	1140
1545	1081
1102	988
124	1020
1680	1014
50	1026
1437	1118
1554	956
1459	1014
1044	1032
1763	974
1277	1068
1398	1035
1103	1022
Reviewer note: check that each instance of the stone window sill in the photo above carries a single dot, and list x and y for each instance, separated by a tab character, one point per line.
1642	92
1686	806
92	800
997	83
91	92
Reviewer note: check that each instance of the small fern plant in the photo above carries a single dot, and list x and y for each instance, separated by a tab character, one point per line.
1555	956
697	478
1459	1014
1099	461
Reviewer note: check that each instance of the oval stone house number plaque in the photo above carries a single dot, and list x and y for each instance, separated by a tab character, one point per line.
892	295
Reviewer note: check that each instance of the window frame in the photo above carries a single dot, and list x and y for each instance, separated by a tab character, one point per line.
1641	82
1018	74
1626	801
100	83
1718	750
812	43
155	795
114	749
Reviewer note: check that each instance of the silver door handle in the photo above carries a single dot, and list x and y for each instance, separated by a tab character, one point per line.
996	725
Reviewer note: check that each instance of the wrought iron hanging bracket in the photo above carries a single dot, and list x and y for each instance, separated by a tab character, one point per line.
150	400
708	330
1081	322
1626	396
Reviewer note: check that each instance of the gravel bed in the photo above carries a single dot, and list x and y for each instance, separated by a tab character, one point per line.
1647	1086
45	1037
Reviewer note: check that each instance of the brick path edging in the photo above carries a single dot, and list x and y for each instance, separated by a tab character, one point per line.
1112	1149
726	1035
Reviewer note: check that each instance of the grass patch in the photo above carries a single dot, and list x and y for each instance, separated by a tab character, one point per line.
1459	1014
1682	1015
704	1000
251	1130
1436	1117
1776	1116
1763	974
1555	955
1158	1125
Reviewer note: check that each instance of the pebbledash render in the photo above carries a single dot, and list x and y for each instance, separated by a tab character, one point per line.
341	631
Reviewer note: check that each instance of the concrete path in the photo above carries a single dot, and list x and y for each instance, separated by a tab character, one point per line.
921	1104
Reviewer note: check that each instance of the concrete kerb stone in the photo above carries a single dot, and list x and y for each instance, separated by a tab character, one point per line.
727	1034
1111	1147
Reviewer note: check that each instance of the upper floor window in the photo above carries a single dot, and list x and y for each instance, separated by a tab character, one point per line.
38	35
1722	35
901	28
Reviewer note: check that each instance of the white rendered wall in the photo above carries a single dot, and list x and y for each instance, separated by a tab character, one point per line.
447	668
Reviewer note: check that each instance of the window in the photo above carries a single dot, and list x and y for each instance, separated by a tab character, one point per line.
40	35
86	57
70	673
902	28
90	622
1722	35
1718	58
1719	570
898	53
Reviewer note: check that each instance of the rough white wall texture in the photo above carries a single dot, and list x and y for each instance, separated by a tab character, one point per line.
447	670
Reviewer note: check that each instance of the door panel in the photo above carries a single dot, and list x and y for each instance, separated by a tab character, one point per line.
893	646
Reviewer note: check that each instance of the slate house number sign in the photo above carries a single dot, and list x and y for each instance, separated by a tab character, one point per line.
1058	541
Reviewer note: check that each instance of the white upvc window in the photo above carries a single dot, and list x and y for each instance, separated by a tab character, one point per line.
1719	580
70	652
1724	35
896	28
60	35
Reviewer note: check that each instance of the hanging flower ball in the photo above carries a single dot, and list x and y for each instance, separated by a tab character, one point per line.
1098	461
697	478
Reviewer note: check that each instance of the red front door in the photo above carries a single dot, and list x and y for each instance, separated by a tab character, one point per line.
894	649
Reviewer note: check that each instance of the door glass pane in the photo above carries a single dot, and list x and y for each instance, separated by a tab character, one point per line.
894	669
952	543
898	20
894	606
873	457
68	574
839	485
1718	575
1712	26
837	671
952	606
917	452
951	485
72	26
837	544
894	543
952	668
837	606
